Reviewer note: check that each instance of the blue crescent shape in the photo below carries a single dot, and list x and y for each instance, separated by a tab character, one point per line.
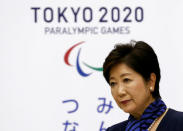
79	68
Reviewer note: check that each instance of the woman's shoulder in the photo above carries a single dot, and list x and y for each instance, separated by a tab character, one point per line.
120	126
175	115
173	120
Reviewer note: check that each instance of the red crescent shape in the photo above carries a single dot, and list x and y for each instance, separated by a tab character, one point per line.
66	56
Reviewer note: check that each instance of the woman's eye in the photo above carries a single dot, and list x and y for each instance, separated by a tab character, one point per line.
126	80
112	84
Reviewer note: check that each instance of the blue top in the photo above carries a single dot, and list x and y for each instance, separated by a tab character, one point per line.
172	121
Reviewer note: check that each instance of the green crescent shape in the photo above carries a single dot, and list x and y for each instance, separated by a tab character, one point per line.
94	68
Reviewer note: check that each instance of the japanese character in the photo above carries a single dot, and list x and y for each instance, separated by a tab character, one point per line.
75	103
101	127
68	124
101	107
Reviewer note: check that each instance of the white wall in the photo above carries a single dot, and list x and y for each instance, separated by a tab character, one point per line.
34	79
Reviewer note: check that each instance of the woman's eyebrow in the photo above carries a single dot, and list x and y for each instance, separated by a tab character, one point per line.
122	75
111	78
125	74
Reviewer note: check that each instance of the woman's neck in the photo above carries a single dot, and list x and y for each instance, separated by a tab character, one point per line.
138	115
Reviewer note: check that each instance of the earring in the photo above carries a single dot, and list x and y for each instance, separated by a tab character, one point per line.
151	88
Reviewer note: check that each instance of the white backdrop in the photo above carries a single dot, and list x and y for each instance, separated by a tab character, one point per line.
35	81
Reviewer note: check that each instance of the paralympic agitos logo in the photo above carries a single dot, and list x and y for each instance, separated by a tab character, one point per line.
78	66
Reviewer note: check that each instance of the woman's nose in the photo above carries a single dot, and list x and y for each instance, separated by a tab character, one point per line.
121	90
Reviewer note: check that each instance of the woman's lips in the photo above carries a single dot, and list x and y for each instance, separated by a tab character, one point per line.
125	102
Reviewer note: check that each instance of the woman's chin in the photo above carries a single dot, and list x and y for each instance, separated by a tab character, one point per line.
128	109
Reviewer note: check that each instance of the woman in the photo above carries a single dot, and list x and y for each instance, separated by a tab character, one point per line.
133	73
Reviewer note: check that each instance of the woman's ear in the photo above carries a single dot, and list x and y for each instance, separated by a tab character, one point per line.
152	82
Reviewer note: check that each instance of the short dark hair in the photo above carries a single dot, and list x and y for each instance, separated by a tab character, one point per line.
137	55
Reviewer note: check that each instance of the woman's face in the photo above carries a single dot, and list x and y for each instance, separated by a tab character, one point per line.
129	89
